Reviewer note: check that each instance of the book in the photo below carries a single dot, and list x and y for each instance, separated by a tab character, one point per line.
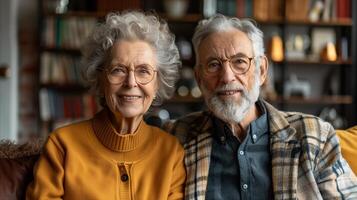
240	8
275	10
260	10
45	112
296	10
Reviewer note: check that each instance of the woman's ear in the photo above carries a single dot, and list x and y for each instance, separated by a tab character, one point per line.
264	66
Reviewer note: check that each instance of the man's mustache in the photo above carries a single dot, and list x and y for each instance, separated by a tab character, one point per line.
231	86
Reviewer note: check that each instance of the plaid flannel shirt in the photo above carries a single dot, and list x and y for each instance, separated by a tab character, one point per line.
306	156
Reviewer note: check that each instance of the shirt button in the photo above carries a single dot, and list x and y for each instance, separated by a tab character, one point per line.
245	186
254	136
223	140
124	177
241	153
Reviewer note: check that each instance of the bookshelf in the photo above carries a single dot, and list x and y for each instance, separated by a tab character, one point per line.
329	80
332	22
63	97
322	100
316	63
61	51
317	72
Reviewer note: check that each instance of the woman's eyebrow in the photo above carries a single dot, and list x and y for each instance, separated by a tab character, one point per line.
117	64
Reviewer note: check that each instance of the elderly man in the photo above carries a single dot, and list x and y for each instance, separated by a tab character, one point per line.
243	147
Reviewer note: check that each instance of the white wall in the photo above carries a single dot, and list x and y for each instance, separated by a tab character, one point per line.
9	56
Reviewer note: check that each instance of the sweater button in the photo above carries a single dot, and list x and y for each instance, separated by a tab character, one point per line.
124	177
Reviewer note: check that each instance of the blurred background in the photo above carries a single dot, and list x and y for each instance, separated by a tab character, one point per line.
311	46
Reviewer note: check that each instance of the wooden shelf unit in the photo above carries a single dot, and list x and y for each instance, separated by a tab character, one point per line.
332	23
326	100
316	62
193	18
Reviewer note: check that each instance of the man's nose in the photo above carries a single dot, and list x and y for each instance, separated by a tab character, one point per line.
227	75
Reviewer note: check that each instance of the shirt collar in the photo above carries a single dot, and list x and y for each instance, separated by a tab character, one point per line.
260	126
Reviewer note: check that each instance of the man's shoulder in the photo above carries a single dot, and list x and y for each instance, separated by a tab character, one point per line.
307	121
308	126
304	125
298	118
188	126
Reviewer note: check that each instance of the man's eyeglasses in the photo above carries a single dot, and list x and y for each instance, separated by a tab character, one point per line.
238	64
143	74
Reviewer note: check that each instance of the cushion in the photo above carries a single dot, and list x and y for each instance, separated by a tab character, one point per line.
348	141
16	166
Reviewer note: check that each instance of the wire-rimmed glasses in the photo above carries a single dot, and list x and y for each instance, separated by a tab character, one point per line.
143	74
239	65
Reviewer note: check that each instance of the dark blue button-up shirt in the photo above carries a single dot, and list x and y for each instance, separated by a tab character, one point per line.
240	170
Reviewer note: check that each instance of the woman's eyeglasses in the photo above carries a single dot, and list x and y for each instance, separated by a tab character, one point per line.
143	74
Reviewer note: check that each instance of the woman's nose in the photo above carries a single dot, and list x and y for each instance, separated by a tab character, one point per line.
130	79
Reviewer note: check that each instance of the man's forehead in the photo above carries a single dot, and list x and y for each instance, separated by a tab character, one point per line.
226	43
227	35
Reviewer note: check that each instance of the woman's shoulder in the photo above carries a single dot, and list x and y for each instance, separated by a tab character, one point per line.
165	138
69	130
166	145
162	133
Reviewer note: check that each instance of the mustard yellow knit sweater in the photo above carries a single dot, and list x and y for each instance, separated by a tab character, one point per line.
89	160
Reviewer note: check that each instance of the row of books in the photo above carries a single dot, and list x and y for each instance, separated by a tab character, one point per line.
239	8
67	32
295	10
60	69
59	106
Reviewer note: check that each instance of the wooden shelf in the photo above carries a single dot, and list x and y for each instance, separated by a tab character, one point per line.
185	99
73	51
188	18
64	87
346	99
78	14
339	22
315	62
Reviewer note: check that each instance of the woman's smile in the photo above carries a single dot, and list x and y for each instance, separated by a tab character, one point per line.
129	98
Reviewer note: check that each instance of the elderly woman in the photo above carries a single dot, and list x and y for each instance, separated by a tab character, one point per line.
130	60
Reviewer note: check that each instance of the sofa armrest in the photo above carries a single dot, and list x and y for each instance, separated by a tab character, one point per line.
16	168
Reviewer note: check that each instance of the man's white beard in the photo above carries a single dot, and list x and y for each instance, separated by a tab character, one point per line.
231	110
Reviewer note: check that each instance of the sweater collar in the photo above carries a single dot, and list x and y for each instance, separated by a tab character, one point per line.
110	138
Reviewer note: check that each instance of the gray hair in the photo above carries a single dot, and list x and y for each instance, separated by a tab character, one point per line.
221	23
133	25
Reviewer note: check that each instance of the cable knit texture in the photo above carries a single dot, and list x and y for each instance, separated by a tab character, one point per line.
90	160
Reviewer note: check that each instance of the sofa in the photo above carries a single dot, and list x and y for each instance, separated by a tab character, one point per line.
16	164
17	161
348	141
